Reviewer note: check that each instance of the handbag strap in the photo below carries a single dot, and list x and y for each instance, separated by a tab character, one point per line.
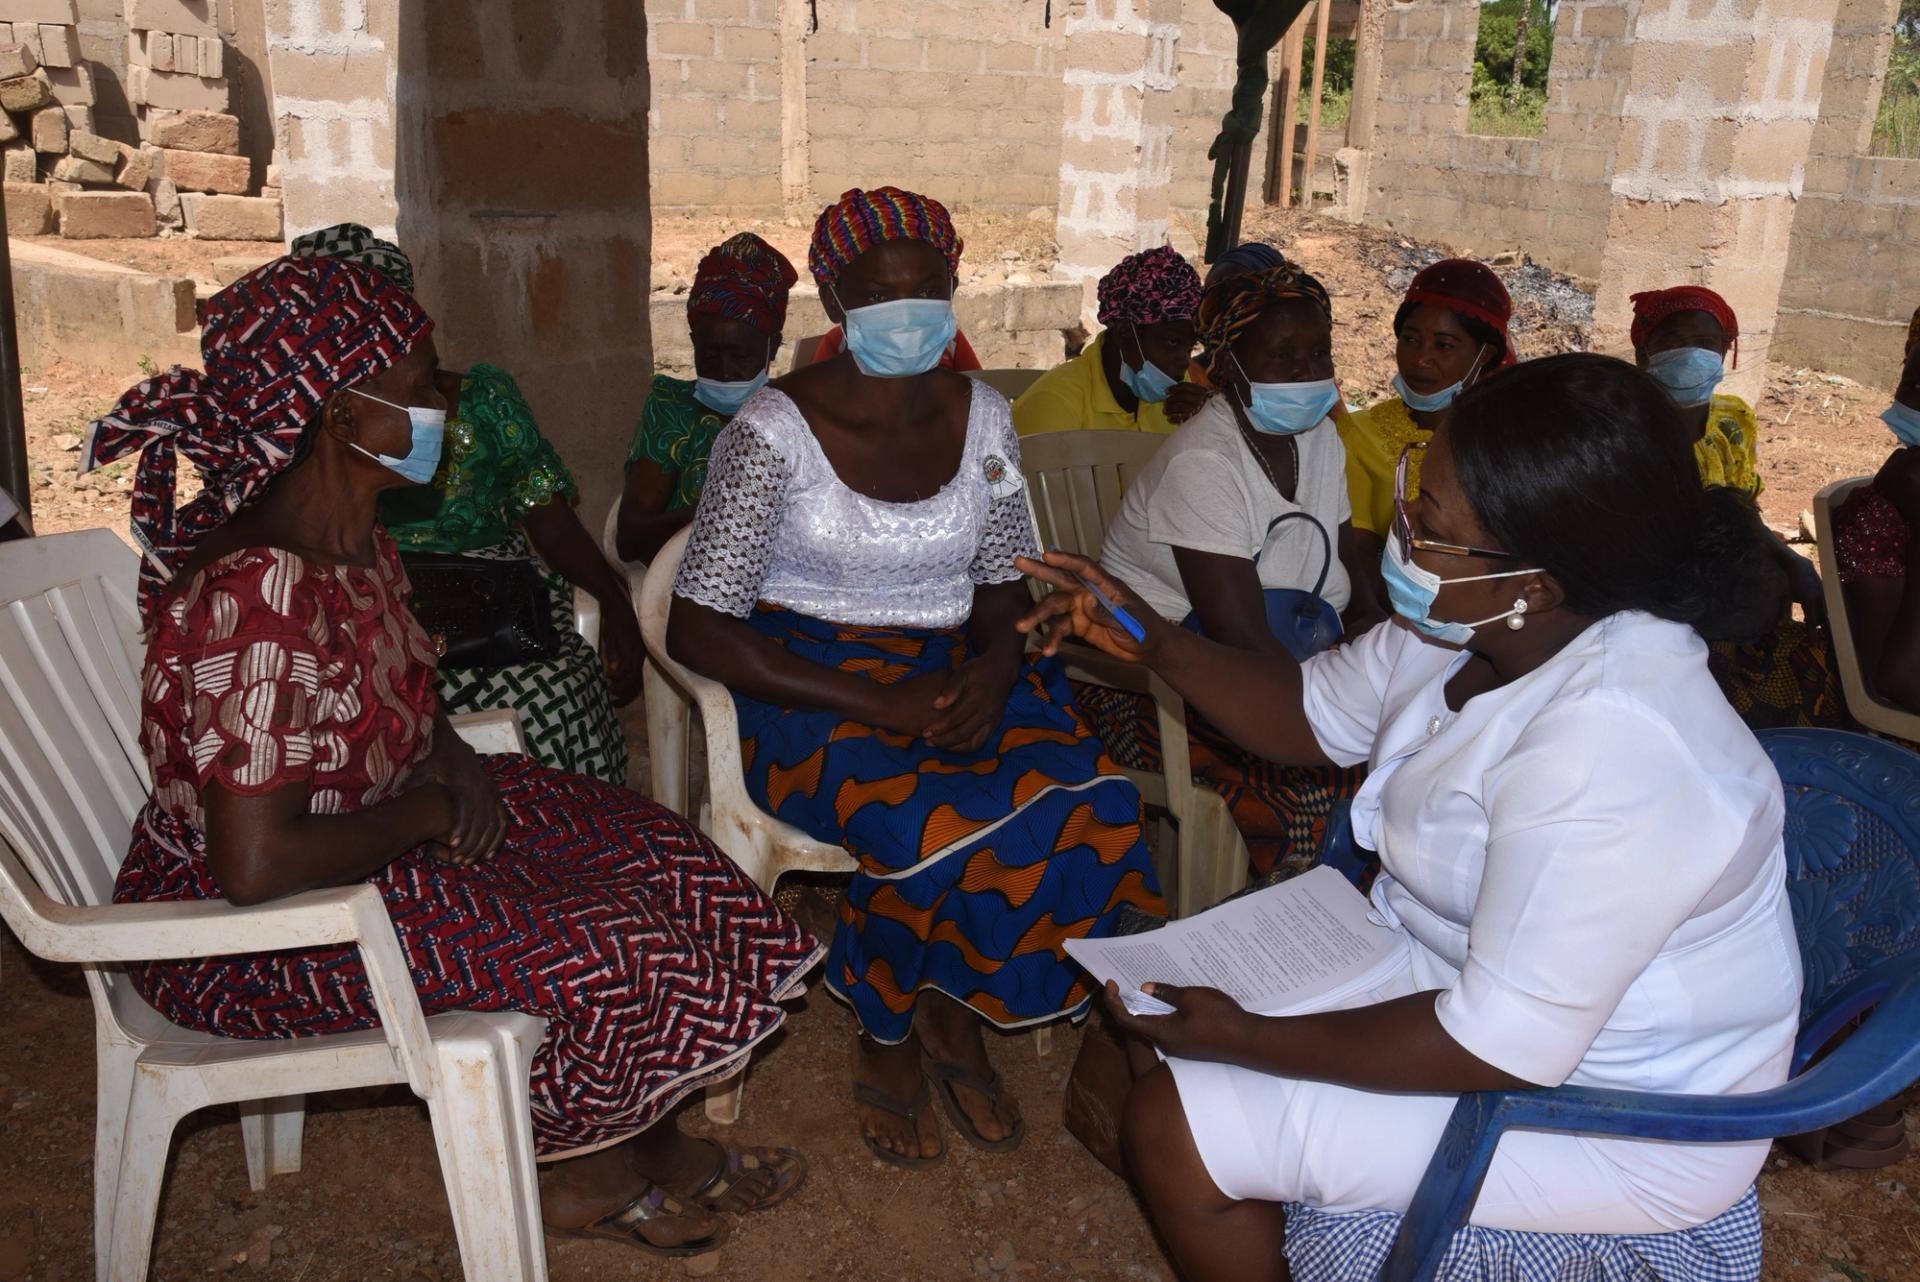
1326	543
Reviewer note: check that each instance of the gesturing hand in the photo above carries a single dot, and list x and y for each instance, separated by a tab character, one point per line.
479	820
970	705
1073	611
1206	1023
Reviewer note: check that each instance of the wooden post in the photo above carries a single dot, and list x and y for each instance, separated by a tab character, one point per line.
1323	10
1292	46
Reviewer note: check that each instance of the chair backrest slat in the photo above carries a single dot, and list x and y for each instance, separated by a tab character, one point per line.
1077	480
73	774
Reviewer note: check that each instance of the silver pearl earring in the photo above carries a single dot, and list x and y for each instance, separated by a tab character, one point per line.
1518	619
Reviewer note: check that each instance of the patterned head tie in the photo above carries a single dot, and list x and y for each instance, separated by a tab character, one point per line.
1149	287
862	219
278	343
1655	305
743	278
1237	302
356	244
1470	289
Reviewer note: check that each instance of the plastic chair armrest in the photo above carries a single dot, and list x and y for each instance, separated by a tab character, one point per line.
353	915
586	616
494	730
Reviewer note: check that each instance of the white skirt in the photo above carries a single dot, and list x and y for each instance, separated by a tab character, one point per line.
1279	1139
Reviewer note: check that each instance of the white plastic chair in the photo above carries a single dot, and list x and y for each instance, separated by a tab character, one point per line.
1075	480
1866	709
1008	382
72	777
764	848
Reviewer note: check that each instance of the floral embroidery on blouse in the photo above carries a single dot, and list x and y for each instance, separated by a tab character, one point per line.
676	432
498	468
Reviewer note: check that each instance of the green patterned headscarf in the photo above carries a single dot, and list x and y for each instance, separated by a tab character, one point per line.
356	244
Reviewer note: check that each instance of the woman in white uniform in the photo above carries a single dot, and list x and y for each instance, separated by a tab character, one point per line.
1579	840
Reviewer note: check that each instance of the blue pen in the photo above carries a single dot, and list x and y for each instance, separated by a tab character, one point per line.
1124	619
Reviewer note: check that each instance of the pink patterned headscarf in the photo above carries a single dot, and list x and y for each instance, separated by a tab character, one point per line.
1149	287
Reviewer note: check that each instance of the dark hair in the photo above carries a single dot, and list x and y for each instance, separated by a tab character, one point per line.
1581	465
1478	330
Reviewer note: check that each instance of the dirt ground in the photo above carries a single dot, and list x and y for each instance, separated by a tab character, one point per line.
369	1205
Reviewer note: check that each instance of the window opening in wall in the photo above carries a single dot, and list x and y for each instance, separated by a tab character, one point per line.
1336	95
1510	59
1896	129
1304	173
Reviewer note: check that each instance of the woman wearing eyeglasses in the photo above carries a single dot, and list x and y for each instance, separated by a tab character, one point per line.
1580	846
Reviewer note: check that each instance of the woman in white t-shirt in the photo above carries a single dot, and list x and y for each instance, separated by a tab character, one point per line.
1580	842
1244	509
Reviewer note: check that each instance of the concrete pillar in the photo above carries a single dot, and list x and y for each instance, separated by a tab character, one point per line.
1722	100
333	75
1115	154
523	199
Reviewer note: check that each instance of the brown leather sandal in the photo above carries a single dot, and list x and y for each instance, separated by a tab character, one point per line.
874	1097
788	1167
655	1207
947	1076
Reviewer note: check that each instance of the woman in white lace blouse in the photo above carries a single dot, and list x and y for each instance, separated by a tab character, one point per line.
850	577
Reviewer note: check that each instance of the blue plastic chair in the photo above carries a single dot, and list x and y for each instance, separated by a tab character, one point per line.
1853	866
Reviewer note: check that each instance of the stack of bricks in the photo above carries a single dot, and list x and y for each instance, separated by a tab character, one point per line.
57	170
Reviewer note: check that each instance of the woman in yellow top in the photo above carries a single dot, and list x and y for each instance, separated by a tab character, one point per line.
1682	336
1451	329
1130	378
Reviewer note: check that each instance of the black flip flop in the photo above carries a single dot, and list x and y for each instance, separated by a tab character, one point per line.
948	1076
624	1225
909	1109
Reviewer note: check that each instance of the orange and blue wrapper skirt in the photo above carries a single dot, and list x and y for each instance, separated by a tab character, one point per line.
975	868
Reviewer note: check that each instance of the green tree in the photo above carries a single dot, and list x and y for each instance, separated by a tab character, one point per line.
1339	69
1494	49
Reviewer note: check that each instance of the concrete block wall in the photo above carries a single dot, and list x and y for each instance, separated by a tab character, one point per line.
961	98
334	75
522	192
715	123
1853	271
1720	112
1549	195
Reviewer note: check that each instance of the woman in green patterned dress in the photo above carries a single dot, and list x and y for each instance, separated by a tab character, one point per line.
735	310
502	493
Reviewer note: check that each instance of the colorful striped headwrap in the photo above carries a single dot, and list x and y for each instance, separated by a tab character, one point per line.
356	244
863	219
1149	287
278	343
1236	302
1247	256
1652	306
743	278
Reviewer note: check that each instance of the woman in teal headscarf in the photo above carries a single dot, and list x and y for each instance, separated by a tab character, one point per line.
502	492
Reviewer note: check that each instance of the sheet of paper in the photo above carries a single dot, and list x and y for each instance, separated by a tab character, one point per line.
1282	950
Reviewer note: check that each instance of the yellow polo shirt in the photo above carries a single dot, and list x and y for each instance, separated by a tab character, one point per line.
1075	396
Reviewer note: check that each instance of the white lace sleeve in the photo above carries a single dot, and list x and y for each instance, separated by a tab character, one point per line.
730	550
1007	531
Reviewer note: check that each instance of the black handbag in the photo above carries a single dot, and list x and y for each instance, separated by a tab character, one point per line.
482	613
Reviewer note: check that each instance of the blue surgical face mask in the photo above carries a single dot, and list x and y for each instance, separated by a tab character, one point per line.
1688	373
1287	409
900	339
1412	589
724	397
1905	422
429	434
1147	381
1441	399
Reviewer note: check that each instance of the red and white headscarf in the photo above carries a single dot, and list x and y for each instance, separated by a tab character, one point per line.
277	344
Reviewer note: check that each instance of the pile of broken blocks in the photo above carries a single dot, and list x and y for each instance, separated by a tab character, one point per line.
185	176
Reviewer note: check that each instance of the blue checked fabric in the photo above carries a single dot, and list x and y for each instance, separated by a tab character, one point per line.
1323	1247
